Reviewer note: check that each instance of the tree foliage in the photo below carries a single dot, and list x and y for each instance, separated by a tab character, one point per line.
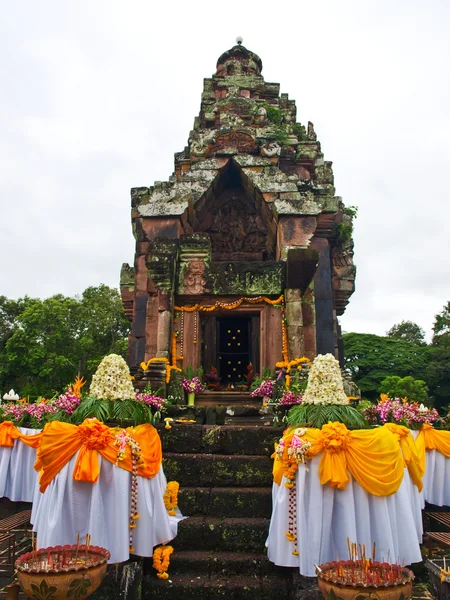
408	331
45	343
439	353
371	358
416	390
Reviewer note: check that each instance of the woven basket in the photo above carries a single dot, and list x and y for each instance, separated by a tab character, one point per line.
76	580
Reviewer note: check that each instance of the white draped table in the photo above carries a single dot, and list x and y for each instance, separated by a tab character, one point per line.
436	481
18	479
69	508
326	516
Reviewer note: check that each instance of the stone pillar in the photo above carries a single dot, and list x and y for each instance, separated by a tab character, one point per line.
309	322
164	325
294	322
323	292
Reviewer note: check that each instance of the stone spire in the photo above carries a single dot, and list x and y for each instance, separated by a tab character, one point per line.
238	61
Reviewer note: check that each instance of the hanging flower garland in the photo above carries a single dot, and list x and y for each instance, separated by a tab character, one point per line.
288	364
169	367
171	497
291	456
219	305
122	440
161	561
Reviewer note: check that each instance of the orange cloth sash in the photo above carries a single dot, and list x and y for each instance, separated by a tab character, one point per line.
61	441
371	456
409	451
9	432
432	439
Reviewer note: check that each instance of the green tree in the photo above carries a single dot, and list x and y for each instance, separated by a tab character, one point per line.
371	358
408	331
439	358
416	390
52	340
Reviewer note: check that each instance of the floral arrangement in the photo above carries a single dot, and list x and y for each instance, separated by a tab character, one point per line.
152	400
400	411
112	380
324	399
212	379
34	414
290	398
193	385
325	384
67	402
264	390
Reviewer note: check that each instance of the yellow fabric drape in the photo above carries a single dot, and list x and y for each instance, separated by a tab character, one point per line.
371	456
9	432
409	451
61	441
432	439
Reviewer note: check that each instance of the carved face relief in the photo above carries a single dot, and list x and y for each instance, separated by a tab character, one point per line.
271	149
194	278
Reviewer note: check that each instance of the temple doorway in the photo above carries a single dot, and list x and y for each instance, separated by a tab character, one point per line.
230	344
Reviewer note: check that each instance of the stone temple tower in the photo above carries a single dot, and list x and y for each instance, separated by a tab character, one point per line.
245	255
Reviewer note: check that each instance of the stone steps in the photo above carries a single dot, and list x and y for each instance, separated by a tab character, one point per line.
225	476
226	502
223	534
210	587
216	439
224	470
223	563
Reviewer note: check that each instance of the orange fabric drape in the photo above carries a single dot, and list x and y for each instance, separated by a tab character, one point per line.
409	451
9	432
371	456
61	441
432	439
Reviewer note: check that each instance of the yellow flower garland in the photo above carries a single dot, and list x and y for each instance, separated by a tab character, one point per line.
230	305
161	561
288	364
171	497
145	366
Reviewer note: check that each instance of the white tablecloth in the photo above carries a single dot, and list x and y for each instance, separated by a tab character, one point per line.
436	481
17	476
326	516
68	508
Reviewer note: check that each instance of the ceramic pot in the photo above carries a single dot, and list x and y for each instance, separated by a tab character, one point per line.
191	398
335	591
76	578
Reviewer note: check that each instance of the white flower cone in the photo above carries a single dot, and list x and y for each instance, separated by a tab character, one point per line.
325	385
112	379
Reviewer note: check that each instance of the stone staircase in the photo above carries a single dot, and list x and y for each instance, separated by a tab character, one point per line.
225	476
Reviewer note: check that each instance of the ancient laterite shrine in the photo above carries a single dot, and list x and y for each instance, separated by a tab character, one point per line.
245	255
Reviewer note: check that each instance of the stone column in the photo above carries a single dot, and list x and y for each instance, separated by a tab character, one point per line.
294	322
164	325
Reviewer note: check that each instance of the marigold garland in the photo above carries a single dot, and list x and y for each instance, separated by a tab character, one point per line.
161	561
288	364
230	305
146	365
171	497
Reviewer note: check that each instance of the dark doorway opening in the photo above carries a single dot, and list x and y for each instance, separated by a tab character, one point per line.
230	344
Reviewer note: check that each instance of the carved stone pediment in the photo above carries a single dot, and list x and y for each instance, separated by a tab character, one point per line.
237	231
241	141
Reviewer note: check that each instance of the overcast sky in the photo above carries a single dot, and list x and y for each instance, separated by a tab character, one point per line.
96	96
